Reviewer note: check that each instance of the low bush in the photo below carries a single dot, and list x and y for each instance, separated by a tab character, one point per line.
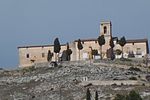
148	78
125	59
134	69
131	96
28	69
132	78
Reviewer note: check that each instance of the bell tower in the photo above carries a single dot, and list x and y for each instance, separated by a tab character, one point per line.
106	30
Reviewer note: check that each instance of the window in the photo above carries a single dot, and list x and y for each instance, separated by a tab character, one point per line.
27	56
132	43
43	54
105	29
138	51
96	42
128	50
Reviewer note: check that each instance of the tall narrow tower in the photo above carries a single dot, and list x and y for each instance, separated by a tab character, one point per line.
106	30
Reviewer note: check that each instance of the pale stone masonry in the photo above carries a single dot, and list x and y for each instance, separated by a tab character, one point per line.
29	55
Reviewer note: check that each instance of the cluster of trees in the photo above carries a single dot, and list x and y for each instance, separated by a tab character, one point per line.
101	42
131	96
57	47
67	53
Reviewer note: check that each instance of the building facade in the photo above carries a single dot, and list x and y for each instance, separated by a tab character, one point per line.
29	55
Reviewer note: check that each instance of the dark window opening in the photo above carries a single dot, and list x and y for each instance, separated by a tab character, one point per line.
105	29
43	54
27	56
132	43
138	52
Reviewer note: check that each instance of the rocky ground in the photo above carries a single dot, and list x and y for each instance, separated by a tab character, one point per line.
65	82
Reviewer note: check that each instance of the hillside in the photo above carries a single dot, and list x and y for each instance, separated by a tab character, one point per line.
70	80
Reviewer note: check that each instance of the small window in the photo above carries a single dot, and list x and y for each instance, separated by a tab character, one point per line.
96	42
82	42
27	56
138	48
105	29
43	54
138	52
132	43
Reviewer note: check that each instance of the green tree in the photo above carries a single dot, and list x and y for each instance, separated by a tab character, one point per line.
101	42
88	95
57	48
111	44
80	46
120	97
131	96
134	96
69	52
122	43
49	56
96	95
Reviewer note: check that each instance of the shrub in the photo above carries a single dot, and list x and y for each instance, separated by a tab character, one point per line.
131	96
120	97
114	84
118	52
134	69
125	59
28	69
132	78
143	84
122	84
139	76
148	78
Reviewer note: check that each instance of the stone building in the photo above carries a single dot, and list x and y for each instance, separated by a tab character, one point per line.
28	55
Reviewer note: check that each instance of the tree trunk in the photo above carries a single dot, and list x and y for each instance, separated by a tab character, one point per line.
79	54
112	54
101	52
55	57
58	57
122	52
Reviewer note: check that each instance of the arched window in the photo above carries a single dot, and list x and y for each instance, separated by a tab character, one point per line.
105	29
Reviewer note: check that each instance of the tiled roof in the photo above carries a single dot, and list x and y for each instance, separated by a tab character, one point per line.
84	40
128	41
137	40
31	46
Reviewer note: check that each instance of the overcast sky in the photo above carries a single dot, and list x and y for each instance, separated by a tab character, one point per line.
37	22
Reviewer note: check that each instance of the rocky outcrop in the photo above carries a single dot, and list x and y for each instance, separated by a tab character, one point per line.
45	82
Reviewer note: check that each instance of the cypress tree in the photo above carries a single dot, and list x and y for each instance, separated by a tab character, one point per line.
49	56
57	48
80	47
111	44
88	95
101	42
69	52
122	43
96	95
